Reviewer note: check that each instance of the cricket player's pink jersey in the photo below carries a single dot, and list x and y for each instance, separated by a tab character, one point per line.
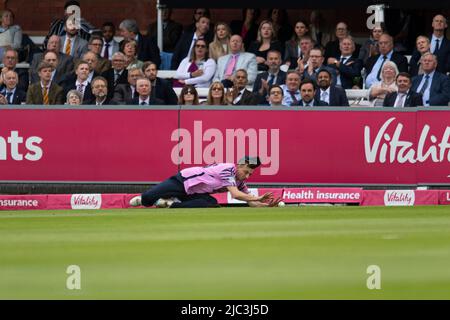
211	179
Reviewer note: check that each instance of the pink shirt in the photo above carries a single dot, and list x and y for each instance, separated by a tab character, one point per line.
212	179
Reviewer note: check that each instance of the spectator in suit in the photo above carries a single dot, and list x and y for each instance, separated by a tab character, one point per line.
334	96
110	46
348	68
216	95
65	62
92	60
117	74
171	30
308	94
238	95
198	69
433	85
275	96
147	48
144	98
13	30
185	45
95	45
10	59
265	42
247	28
11	94
268	78
440	45
422	46
74	98
126	92
370	48
375	63
71	43
53	59
291	91
319	31
99	92
220	46
293	50
314	64
404	97
280	22
237	59
379	90
188	96
196	15
45	92
80	81
161	88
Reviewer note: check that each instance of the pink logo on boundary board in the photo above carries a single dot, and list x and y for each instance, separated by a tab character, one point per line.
399	197
86	201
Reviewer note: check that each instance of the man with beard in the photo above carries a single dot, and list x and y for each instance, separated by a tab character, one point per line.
308	92
100	93
238	94
161	88
334	96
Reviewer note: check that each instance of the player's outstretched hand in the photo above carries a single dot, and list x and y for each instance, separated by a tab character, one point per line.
266	197
274	202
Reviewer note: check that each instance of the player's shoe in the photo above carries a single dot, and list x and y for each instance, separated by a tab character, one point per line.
166	203
136	201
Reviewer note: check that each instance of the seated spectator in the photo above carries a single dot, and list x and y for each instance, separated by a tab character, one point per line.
216	95
318	29
379	90
291	91
264	43
238	95
275	96
332	49
348	68
128	48
79	81
198	69
374	64
433	85
220	46
308	94
10	33
117	74
404	97
247	28
333	95
10	60
147	48
280	22
11	94
95	45
127	92
315	63
99	92
71	43
52	58
144	98
65	62
57	26
293	50
306	44
268	78
185	45
45	92
370	48
237	59
196	15
422	46
74	98
110	46
161	88
188	96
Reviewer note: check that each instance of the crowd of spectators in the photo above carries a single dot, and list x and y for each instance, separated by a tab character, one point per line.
253	61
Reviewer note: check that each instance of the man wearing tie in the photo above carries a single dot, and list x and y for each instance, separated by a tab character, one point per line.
117	74
291	92
45	92
432	85
144	89
11	94
404	97
440	45
374	64
110	46
267	79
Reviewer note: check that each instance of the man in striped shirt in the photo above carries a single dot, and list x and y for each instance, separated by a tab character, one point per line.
192	187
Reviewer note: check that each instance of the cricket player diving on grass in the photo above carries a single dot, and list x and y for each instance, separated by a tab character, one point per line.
192	187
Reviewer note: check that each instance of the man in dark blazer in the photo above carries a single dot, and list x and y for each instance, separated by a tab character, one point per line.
238	95
171	30
117	74
126	92
161	88
375	63
79	81
11	94
271	77
99	92
144	98
147	48
36	92
440	45
404	97
51	58
185	44
432	85
10	60
308	93
334	96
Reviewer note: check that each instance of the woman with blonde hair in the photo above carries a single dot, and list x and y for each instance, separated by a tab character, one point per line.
379	90
216	95
265	42
221	43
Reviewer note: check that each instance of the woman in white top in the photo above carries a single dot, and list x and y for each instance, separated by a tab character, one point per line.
221	43
14	38
198	69
379	90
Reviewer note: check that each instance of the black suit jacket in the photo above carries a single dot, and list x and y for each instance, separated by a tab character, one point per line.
171	34
316	103
414	63
148	49
70	84
332	49
122	94
248	99
443	56
153	102
413	99
252	33
338	97
400	61
182	48
439	89
19	97
281	79
348	71
92	102
163	91
109	76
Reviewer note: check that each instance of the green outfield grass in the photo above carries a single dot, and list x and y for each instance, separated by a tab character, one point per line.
227	253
